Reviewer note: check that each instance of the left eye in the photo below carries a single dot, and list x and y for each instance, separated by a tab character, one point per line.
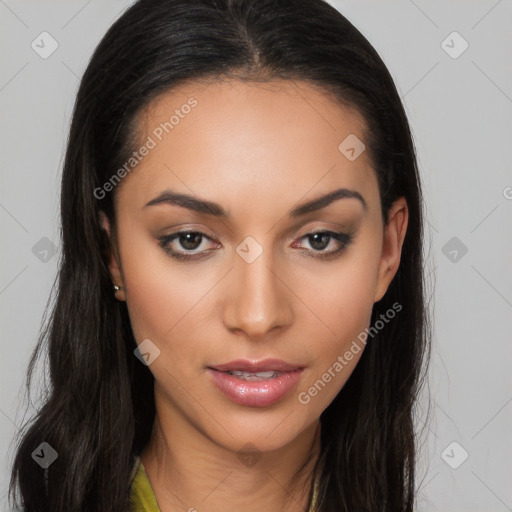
320	240
190	241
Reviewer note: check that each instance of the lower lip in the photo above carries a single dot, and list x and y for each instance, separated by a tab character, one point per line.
255	393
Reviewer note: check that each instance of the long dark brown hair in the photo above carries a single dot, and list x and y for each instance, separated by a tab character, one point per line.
98	410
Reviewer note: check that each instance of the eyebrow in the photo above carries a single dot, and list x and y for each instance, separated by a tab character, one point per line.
210	208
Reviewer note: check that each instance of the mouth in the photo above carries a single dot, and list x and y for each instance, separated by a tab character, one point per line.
244	366
254	377
255	384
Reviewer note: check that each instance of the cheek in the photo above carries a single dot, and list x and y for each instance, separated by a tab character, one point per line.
342	295
345	308
160	295
344	299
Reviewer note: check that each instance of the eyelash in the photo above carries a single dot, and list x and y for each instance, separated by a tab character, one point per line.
344	239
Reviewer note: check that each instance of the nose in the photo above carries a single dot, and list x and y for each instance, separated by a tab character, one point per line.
258	301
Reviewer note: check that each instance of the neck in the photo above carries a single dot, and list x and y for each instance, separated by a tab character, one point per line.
189	471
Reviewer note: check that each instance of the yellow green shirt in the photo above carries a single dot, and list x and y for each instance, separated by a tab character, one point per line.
142	497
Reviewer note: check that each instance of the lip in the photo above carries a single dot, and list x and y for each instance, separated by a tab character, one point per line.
256	393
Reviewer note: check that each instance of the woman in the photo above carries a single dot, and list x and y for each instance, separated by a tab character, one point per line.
239	320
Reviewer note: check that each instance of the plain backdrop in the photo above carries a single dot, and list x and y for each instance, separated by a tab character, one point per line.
451	63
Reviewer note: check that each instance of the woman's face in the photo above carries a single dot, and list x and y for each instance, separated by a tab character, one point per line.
251	282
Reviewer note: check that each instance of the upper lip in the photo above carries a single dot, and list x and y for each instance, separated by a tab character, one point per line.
265	365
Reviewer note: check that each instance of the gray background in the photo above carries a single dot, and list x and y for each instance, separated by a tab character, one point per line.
459	108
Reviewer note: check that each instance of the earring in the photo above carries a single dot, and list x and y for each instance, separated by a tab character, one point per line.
118	289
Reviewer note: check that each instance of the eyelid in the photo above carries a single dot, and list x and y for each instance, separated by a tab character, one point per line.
313	227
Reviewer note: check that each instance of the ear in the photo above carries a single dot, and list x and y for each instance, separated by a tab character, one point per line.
394	235
113	259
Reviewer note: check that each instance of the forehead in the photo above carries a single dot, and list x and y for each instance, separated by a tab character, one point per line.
251	139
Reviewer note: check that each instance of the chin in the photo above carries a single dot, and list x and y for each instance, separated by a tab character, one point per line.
266	433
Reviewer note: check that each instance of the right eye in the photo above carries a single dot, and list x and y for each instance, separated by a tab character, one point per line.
188	240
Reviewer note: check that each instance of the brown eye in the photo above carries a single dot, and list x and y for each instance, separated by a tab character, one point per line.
187	241
320	240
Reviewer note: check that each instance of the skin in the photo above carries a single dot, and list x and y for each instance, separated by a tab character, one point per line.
258	150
